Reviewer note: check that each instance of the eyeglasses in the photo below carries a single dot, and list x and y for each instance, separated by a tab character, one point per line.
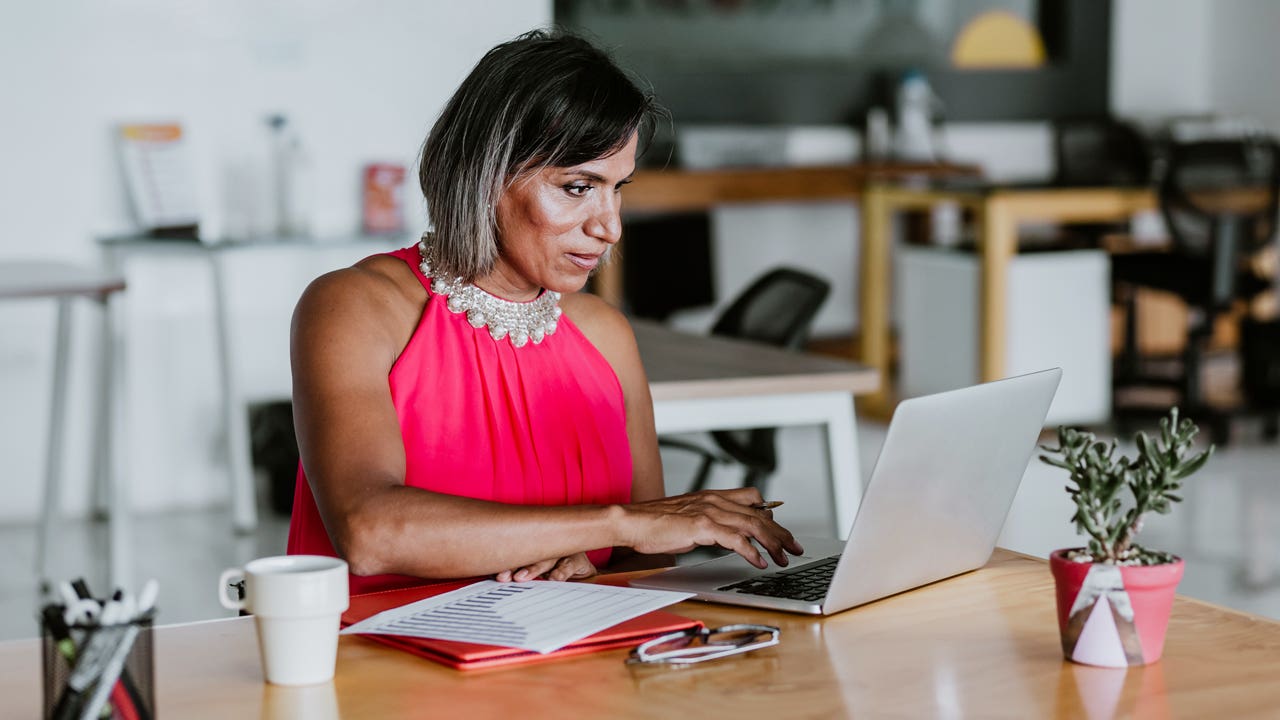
699	644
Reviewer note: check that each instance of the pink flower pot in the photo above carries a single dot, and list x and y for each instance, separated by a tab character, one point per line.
1113	616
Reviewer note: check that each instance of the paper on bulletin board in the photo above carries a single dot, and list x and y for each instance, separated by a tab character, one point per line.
160	174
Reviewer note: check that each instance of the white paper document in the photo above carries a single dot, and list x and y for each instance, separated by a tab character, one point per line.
542	616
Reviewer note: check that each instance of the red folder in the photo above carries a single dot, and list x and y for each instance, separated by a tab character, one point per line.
473	656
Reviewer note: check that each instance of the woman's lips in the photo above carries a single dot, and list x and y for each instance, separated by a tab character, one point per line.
584	261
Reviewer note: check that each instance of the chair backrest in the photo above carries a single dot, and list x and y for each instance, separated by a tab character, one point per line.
1219	201
777	308
1100	151
1216	185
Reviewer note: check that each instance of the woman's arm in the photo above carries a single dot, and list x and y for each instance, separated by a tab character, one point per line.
349	328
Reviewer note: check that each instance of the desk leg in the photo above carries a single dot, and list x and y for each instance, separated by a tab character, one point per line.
873	301
53	447
999	242
841	436
100	493
114	460
244	514
109	361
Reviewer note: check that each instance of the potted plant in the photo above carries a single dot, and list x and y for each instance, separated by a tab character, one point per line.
1114	596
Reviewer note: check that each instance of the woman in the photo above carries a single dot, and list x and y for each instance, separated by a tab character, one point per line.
461	410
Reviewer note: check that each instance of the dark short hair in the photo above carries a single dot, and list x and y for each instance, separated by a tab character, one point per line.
544	99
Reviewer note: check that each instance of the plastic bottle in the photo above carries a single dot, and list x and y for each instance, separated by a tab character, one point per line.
915	105
290	179
879	136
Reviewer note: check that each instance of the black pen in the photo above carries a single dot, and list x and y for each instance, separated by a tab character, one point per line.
769	505
81	588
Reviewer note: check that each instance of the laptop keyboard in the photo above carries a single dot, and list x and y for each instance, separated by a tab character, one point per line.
807	582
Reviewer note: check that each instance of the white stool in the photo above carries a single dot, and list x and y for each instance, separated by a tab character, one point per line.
22	280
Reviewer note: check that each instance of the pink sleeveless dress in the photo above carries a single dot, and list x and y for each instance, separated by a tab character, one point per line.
536	425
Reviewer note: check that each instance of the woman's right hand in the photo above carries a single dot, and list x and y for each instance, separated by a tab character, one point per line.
708	517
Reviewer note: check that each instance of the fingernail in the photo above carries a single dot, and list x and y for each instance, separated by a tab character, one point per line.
521	575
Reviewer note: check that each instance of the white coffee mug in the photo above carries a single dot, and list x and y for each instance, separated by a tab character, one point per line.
297	602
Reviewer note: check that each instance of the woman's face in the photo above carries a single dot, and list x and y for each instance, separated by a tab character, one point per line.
554	225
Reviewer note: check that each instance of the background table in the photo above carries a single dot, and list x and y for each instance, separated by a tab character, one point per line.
681	191
997	212
708	383
64	283
982	645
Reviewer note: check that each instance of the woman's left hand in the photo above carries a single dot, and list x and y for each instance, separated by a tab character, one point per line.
573	567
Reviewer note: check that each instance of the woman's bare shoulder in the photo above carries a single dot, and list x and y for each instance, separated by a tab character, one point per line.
601	322
610	332
377	298
378	277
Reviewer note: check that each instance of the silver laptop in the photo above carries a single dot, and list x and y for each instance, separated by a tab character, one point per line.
933	508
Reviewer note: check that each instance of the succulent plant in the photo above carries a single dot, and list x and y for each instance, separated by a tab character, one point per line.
1100	477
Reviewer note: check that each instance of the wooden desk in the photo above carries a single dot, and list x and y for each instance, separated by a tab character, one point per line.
672	191
998	212
63	283
705	383
983	645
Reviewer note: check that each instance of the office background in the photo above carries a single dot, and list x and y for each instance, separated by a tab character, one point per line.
364	83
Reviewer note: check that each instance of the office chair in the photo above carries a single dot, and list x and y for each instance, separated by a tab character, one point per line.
776	309
1098	152
1219	201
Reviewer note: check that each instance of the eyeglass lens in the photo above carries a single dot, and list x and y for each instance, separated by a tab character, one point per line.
707	644
716	640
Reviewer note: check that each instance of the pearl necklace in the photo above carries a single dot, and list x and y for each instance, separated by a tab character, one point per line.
519	322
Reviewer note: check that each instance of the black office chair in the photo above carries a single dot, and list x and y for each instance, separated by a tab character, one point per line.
776	309
1098	152
1219	201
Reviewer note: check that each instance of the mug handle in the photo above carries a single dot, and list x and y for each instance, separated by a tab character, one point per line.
224	585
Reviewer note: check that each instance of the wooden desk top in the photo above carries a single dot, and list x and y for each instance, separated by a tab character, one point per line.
691	190
1063	203
685	366
983	645
1030	200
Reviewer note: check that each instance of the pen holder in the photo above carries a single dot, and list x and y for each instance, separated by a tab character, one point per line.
132	695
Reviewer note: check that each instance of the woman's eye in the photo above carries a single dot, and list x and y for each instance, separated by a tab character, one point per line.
577	190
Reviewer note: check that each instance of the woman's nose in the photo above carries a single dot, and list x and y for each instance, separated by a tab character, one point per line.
606	221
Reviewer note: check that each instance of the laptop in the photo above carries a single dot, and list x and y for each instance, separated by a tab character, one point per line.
945	479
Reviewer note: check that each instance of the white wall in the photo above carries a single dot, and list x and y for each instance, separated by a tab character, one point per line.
1161	60
1246	56
361	81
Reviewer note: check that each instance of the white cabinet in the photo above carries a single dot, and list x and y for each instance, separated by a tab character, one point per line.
1058	315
